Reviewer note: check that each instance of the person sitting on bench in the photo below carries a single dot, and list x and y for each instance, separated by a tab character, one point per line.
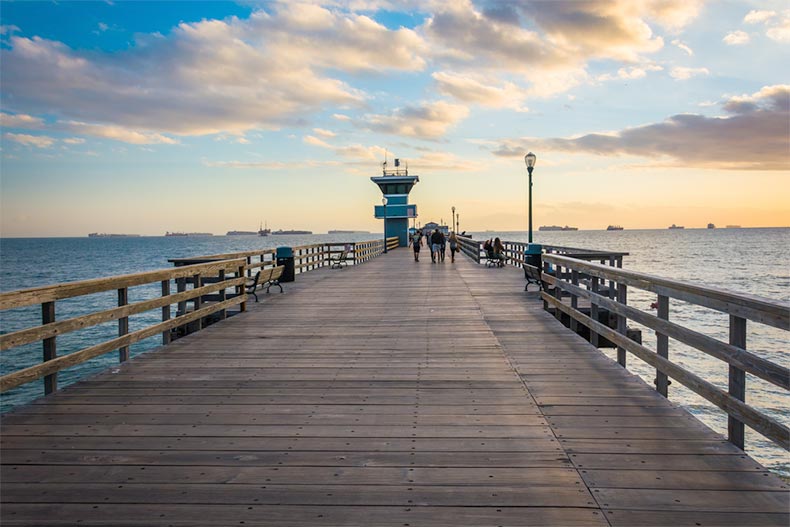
499	252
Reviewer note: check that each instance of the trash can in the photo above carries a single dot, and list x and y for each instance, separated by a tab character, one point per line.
285	257
532	255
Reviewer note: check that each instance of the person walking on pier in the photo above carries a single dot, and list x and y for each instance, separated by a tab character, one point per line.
416	242
436	245
453	246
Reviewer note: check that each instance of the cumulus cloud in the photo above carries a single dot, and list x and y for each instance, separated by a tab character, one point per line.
683	73
736	38
74	140
781	31
20	120
38	141
427	121
213	76
474	89
631	73
753	137
758	16
119	133
312	140
324	133
682	46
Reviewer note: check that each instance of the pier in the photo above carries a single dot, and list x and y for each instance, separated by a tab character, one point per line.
388	393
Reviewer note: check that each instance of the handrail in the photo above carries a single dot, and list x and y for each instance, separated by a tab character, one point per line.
739	307
218	276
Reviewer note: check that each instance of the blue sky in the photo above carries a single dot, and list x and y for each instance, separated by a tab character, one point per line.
210	116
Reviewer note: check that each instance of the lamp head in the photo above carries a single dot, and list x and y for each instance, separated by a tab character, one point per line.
384	201
530	159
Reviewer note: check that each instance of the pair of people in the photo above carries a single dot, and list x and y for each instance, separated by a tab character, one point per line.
495	251
437	244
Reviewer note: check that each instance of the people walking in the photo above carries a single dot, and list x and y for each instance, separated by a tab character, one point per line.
416	243
453	246
436	245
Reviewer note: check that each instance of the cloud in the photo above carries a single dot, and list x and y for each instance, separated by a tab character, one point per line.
38	141
756	17
736	38
780	32
324	133
20	120
680	45
428	120
209	77
119	133
754	137
683	73
341	117
74	140
632	73
312	140
473	89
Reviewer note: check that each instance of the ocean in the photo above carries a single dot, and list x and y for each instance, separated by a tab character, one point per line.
753	261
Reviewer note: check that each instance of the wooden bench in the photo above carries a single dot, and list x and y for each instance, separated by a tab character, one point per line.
339	261
492	260
532	274
265	278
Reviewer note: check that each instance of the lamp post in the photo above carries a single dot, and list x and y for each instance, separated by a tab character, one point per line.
457	223
453	224
384	202
530	160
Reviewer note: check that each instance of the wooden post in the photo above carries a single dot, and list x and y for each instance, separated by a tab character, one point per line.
50	348
222	296
198	301
611	282
574	300
123	324
622	298
558	291
166	311
241	290
594	312
662	345
737	384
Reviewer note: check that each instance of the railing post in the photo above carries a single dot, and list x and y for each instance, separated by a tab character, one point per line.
198	301
622	298
546	267
594	312
241	290
123	324
558	291
737	381
574	300
50	347
165	311
662	346
222	295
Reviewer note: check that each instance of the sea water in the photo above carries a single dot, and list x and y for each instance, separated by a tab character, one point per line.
753	261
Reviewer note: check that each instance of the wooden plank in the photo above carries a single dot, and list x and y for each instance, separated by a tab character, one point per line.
693	500
684	479
661	518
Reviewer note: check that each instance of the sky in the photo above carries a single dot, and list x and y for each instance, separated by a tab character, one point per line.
146	117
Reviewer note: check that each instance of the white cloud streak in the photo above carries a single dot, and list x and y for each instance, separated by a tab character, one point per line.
38	141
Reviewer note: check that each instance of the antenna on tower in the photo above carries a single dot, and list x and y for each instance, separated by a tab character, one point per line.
384	164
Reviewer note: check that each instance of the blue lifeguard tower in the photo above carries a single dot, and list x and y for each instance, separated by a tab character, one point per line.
395	185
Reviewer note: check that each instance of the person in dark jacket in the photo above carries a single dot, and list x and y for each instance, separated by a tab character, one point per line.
436	245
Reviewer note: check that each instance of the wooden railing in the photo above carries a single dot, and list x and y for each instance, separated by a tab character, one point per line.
514	252
579	279
218	275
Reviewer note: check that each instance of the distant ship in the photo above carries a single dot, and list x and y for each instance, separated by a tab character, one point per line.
264	231
614	228
556	228
733	226
348	232
108	235
280	232
711	226
673	226
168	233
241	233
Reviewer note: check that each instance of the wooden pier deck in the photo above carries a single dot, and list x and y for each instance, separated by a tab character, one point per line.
391	393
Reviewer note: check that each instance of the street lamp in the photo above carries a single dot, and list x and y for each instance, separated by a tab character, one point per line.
454	225
530	160
384	202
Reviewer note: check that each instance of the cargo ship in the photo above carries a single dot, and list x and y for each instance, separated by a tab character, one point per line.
711	226
168	233
614	228
673	226
241	233
281	232
556	228
108	235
